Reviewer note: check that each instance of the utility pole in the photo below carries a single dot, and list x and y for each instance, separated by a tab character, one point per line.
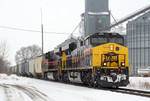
42	44
42	32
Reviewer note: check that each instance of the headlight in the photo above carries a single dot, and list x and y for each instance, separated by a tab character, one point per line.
105	64
111	47
123	64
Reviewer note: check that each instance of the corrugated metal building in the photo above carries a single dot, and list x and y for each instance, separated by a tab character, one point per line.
138	42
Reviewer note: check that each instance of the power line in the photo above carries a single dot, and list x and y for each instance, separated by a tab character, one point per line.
28	30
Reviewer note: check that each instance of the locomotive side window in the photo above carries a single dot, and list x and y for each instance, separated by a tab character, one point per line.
99	40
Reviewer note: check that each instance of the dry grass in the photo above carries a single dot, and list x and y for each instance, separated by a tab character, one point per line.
132	85
141	85
145	85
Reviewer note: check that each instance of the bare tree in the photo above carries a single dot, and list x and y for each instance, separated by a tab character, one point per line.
27	53
4	63
3	50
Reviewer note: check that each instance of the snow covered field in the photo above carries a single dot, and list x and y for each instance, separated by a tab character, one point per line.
14	88
139	83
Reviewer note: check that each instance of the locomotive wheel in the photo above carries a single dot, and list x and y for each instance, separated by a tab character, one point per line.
89	79
37	76
59	78
55	76
65	78
45	76
83	78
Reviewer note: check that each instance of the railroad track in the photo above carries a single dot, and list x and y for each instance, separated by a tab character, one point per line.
124	91
132	92
119	90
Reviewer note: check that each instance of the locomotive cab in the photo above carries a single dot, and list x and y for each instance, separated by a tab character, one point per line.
103	38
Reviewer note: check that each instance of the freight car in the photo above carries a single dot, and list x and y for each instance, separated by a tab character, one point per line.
37	66
31	68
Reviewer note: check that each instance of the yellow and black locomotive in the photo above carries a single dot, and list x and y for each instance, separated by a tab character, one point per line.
99	59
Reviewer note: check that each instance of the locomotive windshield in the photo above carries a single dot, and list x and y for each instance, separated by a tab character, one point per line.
106	38
116	40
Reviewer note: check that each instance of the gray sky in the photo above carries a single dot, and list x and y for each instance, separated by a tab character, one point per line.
58	16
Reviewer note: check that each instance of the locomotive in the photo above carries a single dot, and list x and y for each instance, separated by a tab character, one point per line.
99	59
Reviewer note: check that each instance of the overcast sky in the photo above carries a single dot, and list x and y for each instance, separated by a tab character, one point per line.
60	16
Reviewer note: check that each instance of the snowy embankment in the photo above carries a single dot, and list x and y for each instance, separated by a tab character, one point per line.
14	88
41	90
139	83
13	79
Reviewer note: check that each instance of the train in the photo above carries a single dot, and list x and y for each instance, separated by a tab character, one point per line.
99	59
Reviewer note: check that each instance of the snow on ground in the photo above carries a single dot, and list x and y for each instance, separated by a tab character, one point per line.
13	79
8	93
139	83
59	91
55	91
2	96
